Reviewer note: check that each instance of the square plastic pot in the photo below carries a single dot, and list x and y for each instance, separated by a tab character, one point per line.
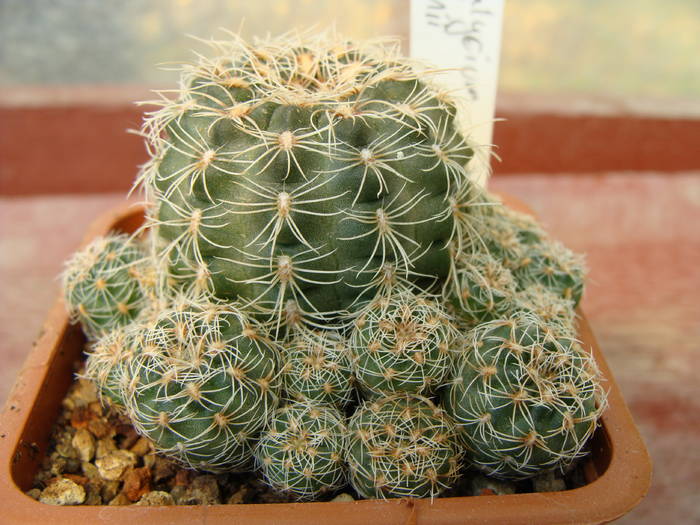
617	471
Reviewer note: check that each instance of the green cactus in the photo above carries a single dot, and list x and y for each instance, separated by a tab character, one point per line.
104	284
108	359
203	385
402	446
297	170
505	233
554	266
554	310
302	450
401	343
524	398
317	367
482	289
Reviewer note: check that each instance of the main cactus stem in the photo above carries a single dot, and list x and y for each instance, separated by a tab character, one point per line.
298	172
315	250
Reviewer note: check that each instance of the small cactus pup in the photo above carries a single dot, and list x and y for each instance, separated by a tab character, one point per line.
102	284
554	266
302	450
402	446
505	233
524	399
298	168
318	367
203	385
401	343
108	360
557	312
482	289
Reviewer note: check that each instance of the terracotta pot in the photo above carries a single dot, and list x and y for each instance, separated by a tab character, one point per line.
618	470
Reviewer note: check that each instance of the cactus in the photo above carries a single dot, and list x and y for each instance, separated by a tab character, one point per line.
317	368
312	226
524	398
103	284
108	359
298	169
401	343
555	311
203	385
504	233
301	452
402	446
482	289
555	267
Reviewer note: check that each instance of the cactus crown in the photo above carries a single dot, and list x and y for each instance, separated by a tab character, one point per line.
304	171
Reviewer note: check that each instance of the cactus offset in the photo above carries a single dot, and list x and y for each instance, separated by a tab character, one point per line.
301	452
203	385
317	367
525	399
102	286
402	446
401	343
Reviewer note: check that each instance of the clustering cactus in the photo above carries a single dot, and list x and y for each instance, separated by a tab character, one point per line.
525	399
317	367
104	284
302	450
401	343
402	446
312	229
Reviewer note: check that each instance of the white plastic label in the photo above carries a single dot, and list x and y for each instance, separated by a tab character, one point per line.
463	37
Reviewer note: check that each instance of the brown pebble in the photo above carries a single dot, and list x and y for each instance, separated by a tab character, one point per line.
344	496
34	493
129	435
109	490
137	482
204	490
183	477
93	493
105	446
81	417
163	468
84	444
84	392
113	465
238	497
100	428
141	447
90	470
75	478
156	498
63	492
96	408
120	499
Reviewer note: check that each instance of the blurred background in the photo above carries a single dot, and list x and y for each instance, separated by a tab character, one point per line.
600	135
